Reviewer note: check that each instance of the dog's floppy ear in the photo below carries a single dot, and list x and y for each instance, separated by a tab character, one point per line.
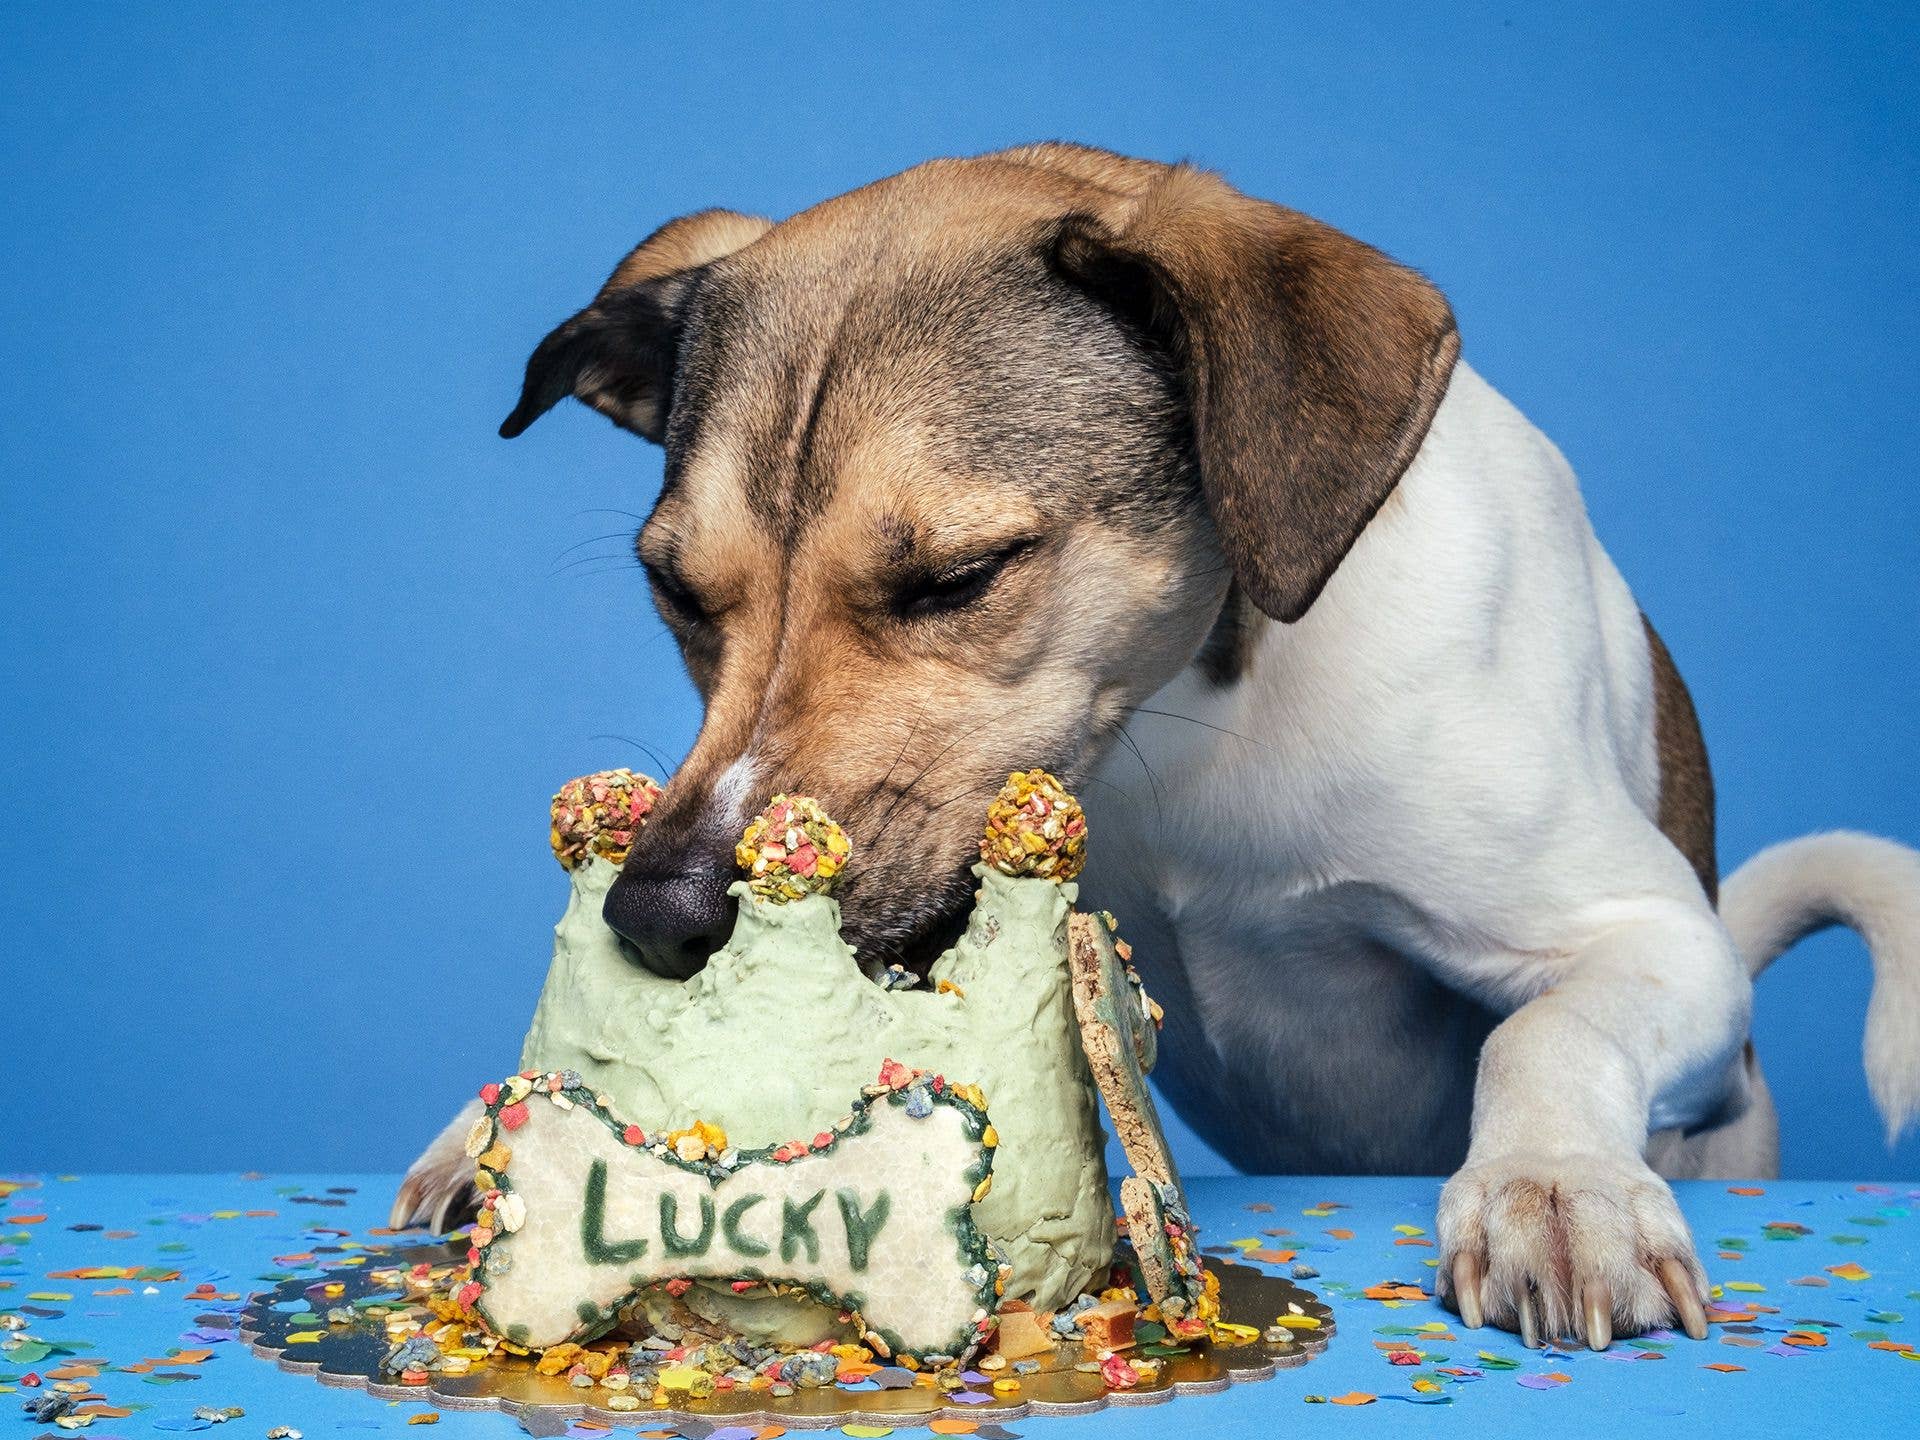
1313	364
617	354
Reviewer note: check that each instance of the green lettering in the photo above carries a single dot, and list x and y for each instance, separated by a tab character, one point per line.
730	1226
796	1229
593	1219
670	1236
862	1228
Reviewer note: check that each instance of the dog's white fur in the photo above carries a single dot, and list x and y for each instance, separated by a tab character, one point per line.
1405	871
1427	809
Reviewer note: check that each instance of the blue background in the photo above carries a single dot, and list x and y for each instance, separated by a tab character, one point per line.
274	595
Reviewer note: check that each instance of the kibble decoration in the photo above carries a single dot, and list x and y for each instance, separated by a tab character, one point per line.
601	814
1035	829
792	849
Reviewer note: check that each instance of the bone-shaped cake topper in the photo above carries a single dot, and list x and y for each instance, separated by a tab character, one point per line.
582	1211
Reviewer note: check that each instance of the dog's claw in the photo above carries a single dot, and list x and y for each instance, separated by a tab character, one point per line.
438	1187
1678	1282
1599	1315
1529	1326
1466	1290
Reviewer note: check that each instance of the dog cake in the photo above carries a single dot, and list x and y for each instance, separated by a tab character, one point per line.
791	1155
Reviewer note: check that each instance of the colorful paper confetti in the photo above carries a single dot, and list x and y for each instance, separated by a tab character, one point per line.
111	1255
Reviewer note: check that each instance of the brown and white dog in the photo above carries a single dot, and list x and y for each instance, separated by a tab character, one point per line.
1056	457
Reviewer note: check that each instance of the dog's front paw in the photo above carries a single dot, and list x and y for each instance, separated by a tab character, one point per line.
438	1191
1568	1245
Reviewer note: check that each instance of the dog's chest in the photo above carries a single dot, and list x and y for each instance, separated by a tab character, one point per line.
1304	1046
1296	1040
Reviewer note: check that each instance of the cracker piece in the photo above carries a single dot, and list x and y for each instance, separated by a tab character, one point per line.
1116	1033
1023	1332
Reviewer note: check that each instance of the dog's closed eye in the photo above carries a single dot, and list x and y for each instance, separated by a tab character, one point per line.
957	585
674	593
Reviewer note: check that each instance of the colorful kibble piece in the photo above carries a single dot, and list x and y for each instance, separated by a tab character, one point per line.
792	849
601	814
1035	829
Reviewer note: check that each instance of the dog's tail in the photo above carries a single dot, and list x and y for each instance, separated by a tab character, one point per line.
1872	886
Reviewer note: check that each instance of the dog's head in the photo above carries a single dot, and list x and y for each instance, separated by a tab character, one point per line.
961	467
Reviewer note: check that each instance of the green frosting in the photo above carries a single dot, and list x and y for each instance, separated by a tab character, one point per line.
781	1028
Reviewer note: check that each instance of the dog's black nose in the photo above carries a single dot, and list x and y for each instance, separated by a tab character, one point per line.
674	918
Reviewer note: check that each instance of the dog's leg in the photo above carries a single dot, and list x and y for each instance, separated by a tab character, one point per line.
438	1191
1556	1225
1744	1147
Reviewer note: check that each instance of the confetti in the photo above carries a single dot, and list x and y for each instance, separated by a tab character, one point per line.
1839	1315
1395	1290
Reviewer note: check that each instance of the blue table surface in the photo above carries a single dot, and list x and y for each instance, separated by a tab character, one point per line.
227	1231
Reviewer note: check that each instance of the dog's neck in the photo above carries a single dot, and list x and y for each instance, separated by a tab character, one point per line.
1228	650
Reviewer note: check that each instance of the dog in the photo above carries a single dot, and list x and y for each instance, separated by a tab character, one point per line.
1056	457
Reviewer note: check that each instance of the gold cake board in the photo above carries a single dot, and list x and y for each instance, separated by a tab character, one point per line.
350	1356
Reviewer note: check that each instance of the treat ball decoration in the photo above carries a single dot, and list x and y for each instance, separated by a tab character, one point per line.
601	814
792	849
1035	829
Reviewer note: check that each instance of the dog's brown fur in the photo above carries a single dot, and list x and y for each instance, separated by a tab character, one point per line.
1077	394
1686	779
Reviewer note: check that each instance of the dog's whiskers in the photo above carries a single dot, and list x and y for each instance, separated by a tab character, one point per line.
1153	780
595	540
666	768
951	799
925	769
613	562
899	755
1205	725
